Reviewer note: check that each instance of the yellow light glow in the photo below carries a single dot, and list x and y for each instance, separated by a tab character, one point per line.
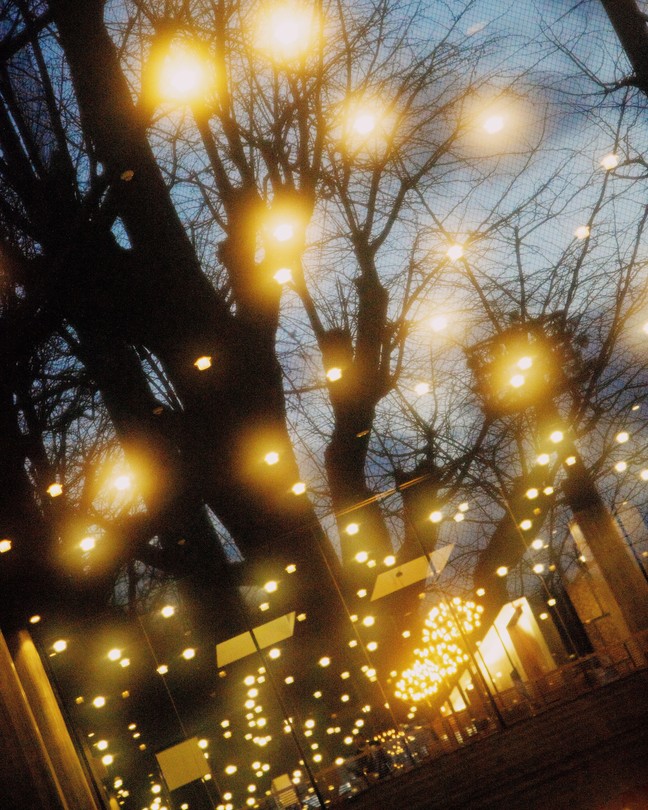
459	517
481	591
361	557
532	493
283	231
189	653
88	543
125	662
372	646
34	619
99	702
455	252
610	161
420	389
274	653
5	545
54	490
283	275
334	374
548	490
271	458
59	646
494	124
368	621
525	363
203	743
543	616
557	436
290	569
517	380
352	528
543	459
644	475
389	560
325	661
364	123
525	525
582	232
551	602
270	586
186	75
167	611
203	363
115	654
463	507
123	482
537	544
502	571
436	516
107	759
621	466
622	437
570	461
102	745
538	568
438	323
286	32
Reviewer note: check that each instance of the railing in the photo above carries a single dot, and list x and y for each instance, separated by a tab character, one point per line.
411	745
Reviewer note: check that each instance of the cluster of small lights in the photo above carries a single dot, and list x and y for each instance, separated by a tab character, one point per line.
441	653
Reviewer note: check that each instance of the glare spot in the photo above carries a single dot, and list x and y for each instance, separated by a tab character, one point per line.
59	646
5	546
88	543
99	702
334	374
436	516
54	490
421	388
189	653
610	161
622	437
438	323
203	363
557	436
352	528
283	275
361	557
455	252
494	124
270	587
115	654
582	232
517	380
271	458
525	363
167	611
502	571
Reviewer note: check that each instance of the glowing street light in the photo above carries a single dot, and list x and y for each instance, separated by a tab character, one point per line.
582	232
436	516
438	323
286	31
271	458
203	363
283	275
54	490
517	380
494	124
59	646
334	374
352	528
455	252
167	611
88	543
5	545
610	161
186	74
299	488
123	482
